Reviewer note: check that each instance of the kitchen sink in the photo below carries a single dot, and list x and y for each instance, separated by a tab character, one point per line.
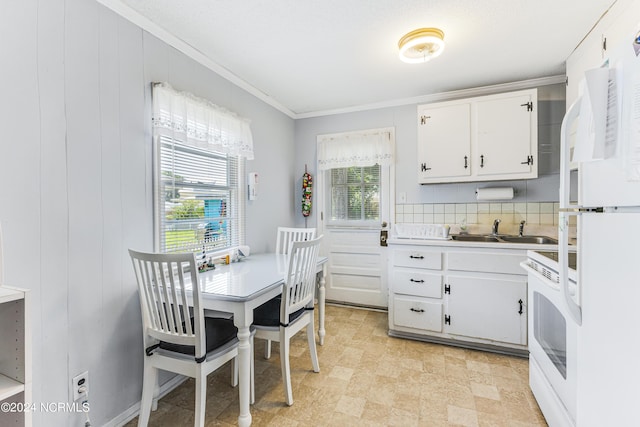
473	238
501	238
539	240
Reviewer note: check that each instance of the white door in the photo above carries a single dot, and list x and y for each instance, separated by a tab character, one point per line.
354	203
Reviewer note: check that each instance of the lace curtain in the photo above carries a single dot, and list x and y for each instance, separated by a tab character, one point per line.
200	123
355	149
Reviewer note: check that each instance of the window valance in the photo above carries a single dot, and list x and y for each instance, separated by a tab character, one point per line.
198	122
364	148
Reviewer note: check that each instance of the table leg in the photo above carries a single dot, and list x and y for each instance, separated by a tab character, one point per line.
321	297
244	361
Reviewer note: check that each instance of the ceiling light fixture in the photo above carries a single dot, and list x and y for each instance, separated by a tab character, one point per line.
421	45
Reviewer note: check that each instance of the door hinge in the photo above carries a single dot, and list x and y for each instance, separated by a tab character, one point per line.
424	168
447	320
528	162
529	105
423	119
447	289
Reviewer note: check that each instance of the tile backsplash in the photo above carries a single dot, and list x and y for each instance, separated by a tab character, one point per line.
479	216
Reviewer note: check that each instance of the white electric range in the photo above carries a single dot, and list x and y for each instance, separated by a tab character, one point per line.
552	337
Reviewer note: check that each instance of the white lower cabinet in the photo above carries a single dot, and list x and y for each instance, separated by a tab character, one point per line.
487	308
418	313
474	297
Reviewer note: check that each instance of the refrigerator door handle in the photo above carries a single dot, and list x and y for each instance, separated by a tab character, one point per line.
567	210
575	311
565	154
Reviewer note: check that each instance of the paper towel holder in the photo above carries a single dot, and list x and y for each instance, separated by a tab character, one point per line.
495	193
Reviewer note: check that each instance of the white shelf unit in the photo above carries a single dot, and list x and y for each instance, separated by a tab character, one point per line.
15	356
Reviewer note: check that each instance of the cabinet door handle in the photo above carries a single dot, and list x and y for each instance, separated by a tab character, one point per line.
520	311
416	257
417	310
416	281
466	162
481	160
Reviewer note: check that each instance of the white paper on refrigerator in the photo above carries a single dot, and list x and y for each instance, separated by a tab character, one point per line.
592	126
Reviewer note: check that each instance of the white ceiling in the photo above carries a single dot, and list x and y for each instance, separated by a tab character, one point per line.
320	56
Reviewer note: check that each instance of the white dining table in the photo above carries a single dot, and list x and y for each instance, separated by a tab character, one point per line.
240	287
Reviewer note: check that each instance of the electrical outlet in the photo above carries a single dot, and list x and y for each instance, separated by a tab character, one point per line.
80	386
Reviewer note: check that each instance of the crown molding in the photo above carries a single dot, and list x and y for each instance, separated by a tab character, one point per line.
152	28
443	96
147	25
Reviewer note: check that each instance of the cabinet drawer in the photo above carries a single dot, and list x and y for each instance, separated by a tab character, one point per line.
487	262
417	282
417	313
418	258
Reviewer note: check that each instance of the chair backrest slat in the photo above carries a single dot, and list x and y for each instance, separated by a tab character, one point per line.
162	273
182	297
300	277
162	280
287	235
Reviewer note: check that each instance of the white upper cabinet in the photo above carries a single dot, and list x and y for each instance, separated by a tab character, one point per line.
444	136
507	137
486	138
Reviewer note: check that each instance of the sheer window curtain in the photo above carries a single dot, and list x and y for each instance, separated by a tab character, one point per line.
200	123
363	148
199	156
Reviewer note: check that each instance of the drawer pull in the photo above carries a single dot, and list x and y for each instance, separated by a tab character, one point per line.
416	281
416	257
417	310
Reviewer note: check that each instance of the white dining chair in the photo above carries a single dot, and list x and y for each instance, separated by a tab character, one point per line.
286	235
280	319
176	338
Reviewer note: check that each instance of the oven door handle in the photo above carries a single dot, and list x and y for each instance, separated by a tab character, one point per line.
549	283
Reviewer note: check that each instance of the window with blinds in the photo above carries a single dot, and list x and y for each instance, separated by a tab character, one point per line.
198	199
355	194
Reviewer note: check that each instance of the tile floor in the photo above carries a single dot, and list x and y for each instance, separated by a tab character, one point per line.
369	379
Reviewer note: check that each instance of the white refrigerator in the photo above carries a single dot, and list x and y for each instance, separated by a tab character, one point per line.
606	120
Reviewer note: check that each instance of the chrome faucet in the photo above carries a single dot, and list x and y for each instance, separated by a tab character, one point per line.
494	229
521	229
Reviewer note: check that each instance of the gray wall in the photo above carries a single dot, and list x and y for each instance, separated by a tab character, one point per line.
403	118
75	163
